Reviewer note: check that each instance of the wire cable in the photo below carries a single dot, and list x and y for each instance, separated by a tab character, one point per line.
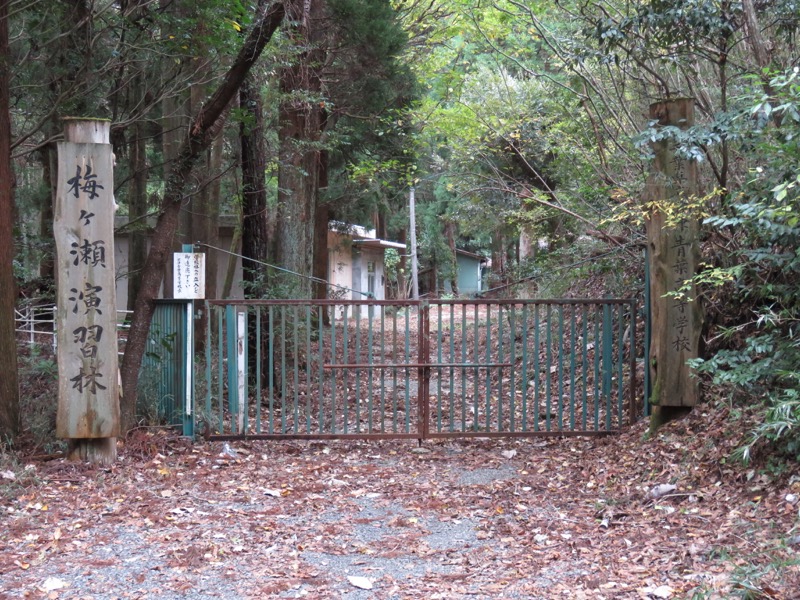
277	268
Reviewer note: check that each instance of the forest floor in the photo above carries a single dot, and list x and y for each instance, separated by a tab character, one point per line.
479	518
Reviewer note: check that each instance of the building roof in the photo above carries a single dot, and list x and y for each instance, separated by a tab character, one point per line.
376	243
477	257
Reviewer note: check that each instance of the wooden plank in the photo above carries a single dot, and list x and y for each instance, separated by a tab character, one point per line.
673	254
88	398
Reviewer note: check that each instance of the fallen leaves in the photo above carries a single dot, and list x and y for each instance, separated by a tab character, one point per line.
573	519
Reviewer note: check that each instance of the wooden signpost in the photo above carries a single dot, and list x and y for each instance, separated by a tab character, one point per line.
673	255
88	379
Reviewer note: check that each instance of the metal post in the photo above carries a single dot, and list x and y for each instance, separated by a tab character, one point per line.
647	333
188	408
233	382
241	373
414	265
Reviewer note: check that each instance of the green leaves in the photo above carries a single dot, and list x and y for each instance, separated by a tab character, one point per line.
763	226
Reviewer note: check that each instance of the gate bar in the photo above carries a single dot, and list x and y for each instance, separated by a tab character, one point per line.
415	365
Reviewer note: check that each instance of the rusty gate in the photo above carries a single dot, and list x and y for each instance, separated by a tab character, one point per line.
417	369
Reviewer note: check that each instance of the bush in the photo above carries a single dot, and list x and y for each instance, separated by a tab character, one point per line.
762	359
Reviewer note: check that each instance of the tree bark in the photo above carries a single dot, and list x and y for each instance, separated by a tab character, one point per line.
175	119
9	391
322	215
75	40
450	234
760	49
254	216
205	126
254	194
300	118
137	209
499	259
321	258
211	215
754	38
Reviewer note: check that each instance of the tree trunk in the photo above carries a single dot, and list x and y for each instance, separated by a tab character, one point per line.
137	209
74	40
211	214
322	215
754	38
48	250
761	51
300	118
230	271
450	234
254	216
321	258
205	126
9	391
175	120
498	259
205	210
254	194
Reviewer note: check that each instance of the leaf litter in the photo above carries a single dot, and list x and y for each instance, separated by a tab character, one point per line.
478	518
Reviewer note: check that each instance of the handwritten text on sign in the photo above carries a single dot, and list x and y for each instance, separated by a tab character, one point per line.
189	280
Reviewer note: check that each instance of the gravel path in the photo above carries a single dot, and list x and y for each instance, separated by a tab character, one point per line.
471	519
280	520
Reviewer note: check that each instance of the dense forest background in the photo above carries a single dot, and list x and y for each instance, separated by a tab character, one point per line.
522	126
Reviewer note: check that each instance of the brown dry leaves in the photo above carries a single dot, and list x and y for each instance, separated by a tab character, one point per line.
566	518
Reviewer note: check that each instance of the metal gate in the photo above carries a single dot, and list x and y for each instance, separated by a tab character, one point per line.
424	369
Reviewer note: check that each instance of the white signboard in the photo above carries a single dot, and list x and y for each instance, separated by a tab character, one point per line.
189	275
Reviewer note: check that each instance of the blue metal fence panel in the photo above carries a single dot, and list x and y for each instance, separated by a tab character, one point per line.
162	379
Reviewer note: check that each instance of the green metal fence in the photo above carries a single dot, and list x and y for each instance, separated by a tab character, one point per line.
382	369
163	380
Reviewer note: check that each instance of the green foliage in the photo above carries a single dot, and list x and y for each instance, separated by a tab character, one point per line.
663	25
764	352
395	274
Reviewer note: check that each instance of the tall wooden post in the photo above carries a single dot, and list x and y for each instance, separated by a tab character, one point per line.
88	379
673	254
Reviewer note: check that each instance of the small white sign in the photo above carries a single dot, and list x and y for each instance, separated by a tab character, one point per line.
189	275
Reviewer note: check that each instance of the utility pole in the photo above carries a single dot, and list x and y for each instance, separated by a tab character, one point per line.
414	265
